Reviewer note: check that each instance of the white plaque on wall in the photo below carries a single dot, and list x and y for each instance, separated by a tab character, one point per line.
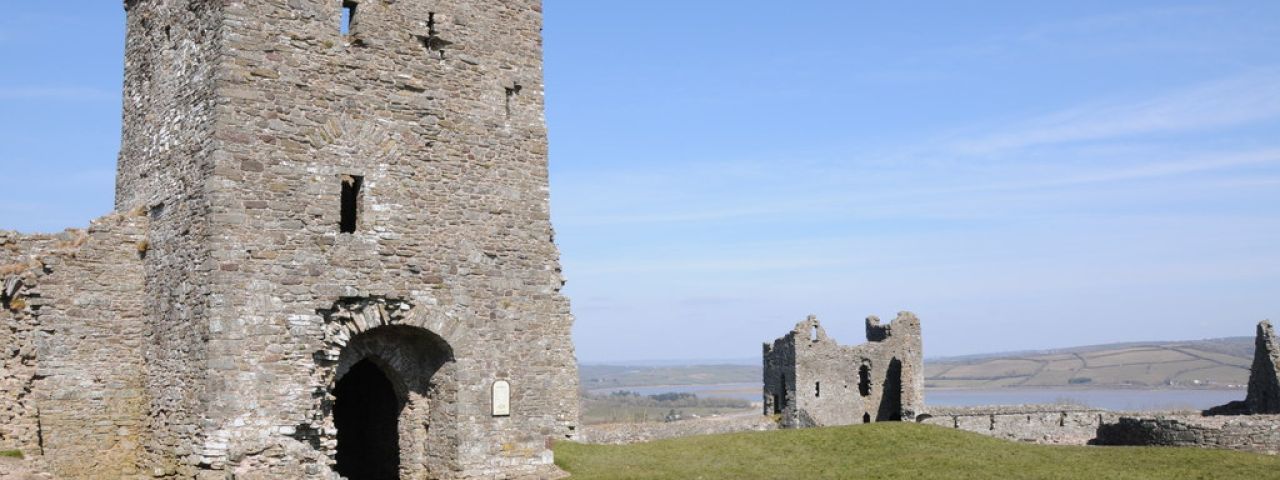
501	398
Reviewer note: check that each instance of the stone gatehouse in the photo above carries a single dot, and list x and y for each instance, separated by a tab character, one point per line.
812	381
331	254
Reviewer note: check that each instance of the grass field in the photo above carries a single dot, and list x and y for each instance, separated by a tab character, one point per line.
896	451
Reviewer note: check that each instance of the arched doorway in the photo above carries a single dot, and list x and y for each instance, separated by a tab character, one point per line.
393	403
366	412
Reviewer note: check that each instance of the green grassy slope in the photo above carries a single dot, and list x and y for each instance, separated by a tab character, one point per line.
896	451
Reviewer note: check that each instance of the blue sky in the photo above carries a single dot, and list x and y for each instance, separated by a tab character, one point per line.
1022	175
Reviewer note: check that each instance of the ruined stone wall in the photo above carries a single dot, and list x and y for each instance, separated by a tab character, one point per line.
173	51
1053	425
1250	433
74	391
780	378
1264	374
1248	425
20	269
880	380
91	388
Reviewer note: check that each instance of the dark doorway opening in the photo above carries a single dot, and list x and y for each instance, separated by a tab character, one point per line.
864	380
891	402
366	413
781	402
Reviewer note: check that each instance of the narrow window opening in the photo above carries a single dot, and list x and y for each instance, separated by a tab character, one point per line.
864	380
156	211
432	40
782	394
348	17
511	92
813	334
817	389
351	186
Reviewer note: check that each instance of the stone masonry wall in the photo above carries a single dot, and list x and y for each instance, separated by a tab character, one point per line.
202	333
810	380
1264	375
1054	425
20	269
1251	433
91	388
173	49
243	121
76	300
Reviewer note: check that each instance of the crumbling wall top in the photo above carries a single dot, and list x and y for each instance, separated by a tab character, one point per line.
905	324
810	329
1264	376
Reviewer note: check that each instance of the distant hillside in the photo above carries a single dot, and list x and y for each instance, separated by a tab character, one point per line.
1215	363
607	376
1220	362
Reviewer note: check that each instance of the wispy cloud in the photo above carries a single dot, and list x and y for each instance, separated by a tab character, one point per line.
1125	21
56	94
852	193
1224	103
1105	145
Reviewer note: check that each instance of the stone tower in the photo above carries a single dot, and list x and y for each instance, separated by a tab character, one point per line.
348	264
812	381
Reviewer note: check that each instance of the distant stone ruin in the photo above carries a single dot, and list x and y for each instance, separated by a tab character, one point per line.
812	381
1264	378
1249	425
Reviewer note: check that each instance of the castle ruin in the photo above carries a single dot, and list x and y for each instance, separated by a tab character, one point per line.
1263	395
331	255
812	381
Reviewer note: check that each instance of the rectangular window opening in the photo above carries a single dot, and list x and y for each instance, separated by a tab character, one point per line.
864	380
348	17
351	186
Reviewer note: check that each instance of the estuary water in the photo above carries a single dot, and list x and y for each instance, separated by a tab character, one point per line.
1110	399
